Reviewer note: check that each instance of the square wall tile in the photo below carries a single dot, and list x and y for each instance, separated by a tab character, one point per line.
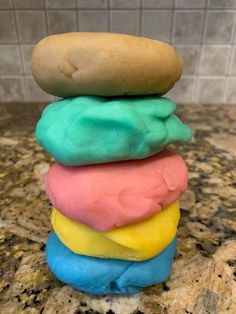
92	4
210	90
157	4
5	4
222	4
188	27
230	91
182	92
213	60
61	21
219	26
7	27
10	61
156	24
126	22
12	89
232	63
190	4
35	92
60	4
124	4
189	54
27	51
31	26
93	21
29	4
234	35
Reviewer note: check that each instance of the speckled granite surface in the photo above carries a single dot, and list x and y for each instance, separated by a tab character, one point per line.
204	272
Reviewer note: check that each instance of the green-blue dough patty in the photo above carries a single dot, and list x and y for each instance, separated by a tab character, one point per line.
87	129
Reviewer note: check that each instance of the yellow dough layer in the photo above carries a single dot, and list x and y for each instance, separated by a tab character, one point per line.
137	242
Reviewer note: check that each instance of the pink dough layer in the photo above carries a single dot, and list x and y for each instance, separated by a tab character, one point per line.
110	195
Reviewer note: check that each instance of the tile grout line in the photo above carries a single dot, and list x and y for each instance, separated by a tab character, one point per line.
140	17
77	10
172	20
228	61
126	9
26	94
46	19
109	16
201	44
171	36
47	28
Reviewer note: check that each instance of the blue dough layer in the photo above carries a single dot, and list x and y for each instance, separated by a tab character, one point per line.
103	276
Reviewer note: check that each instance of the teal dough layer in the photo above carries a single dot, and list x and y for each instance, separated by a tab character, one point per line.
100	275
87	129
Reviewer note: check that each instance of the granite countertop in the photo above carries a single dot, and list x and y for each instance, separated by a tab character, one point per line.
204	272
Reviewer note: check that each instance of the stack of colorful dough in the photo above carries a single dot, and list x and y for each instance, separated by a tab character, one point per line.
115	186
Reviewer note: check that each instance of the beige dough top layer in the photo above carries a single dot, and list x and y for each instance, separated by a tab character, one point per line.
104	64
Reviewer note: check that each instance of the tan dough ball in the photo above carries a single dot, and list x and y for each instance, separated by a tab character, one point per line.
104	64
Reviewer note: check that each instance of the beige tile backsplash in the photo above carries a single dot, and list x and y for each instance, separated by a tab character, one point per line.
209	90
218	27
7	27
124	21
213	60
203	32
156	24
60	4
28	4
187	26
93	21
55	19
